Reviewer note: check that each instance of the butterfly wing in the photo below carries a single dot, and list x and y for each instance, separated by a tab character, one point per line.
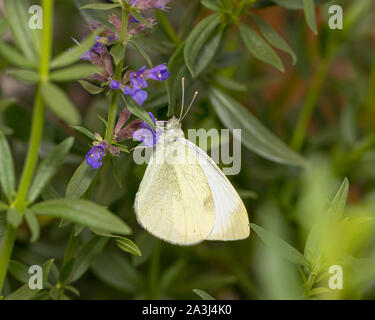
231	222
174	201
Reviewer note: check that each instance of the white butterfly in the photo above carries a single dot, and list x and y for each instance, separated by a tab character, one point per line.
184	198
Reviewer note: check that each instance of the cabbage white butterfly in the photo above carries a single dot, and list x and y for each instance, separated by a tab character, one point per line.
184	198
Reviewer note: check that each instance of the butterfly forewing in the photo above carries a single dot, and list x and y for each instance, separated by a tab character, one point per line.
174	201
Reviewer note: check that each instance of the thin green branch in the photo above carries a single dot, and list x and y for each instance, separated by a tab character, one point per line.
35	138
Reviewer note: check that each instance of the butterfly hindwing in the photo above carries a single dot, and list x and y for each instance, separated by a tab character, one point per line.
231	219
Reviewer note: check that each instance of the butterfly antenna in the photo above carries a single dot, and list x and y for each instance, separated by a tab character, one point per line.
183	97
191	103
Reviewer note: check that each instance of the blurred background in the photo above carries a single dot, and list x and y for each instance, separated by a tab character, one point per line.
334	78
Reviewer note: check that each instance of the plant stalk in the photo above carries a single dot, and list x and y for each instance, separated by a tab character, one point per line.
35	138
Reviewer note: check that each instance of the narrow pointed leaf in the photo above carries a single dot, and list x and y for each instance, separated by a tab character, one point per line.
82	212
128	246
259	48
80	181
60	104
14	56
25	75
254	135
310	16
279	246
137	110
203	294
202	43
33	224
72	56
90	87
48	168
273	37
7	176
76	72
18	19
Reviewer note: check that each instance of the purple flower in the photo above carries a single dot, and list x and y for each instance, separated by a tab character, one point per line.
137	79
149	4
138	95
146	134
115	85
94	156
158	73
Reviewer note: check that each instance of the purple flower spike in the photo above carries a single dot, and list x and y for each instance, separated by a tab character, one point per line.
158	73
137	79
115	85
146	134
138	95
94	156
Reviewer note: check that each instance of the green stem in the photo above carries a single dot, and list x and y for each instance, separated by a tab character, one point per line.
168	28
309	105
112	114
35	138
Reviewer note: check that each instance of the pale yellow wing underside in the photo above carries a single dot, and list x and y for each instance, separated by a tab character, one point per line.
231	219
174	201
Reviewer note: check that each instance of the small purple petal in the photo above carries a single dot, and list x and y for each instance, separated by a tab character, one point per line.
94	156
115	85
158	73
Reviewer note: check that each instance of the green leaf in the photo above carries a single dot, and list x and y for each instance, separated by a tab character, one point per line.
210	4
141	52
47	267
203	294
25	75
33	224
273	37
279	246
80	181
7	176
2	228
137	110
76	72
83	212
310	16
318	291
23	293
117	52
72	56
114	269
259	48
178	70
3	207
66	270
3	26
14	56
202	43
338	203
90	87
100	6
48	168
128	246
19	271
84	257
59	103
254	135
18	19
50	193
14	217
229	84
86	132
